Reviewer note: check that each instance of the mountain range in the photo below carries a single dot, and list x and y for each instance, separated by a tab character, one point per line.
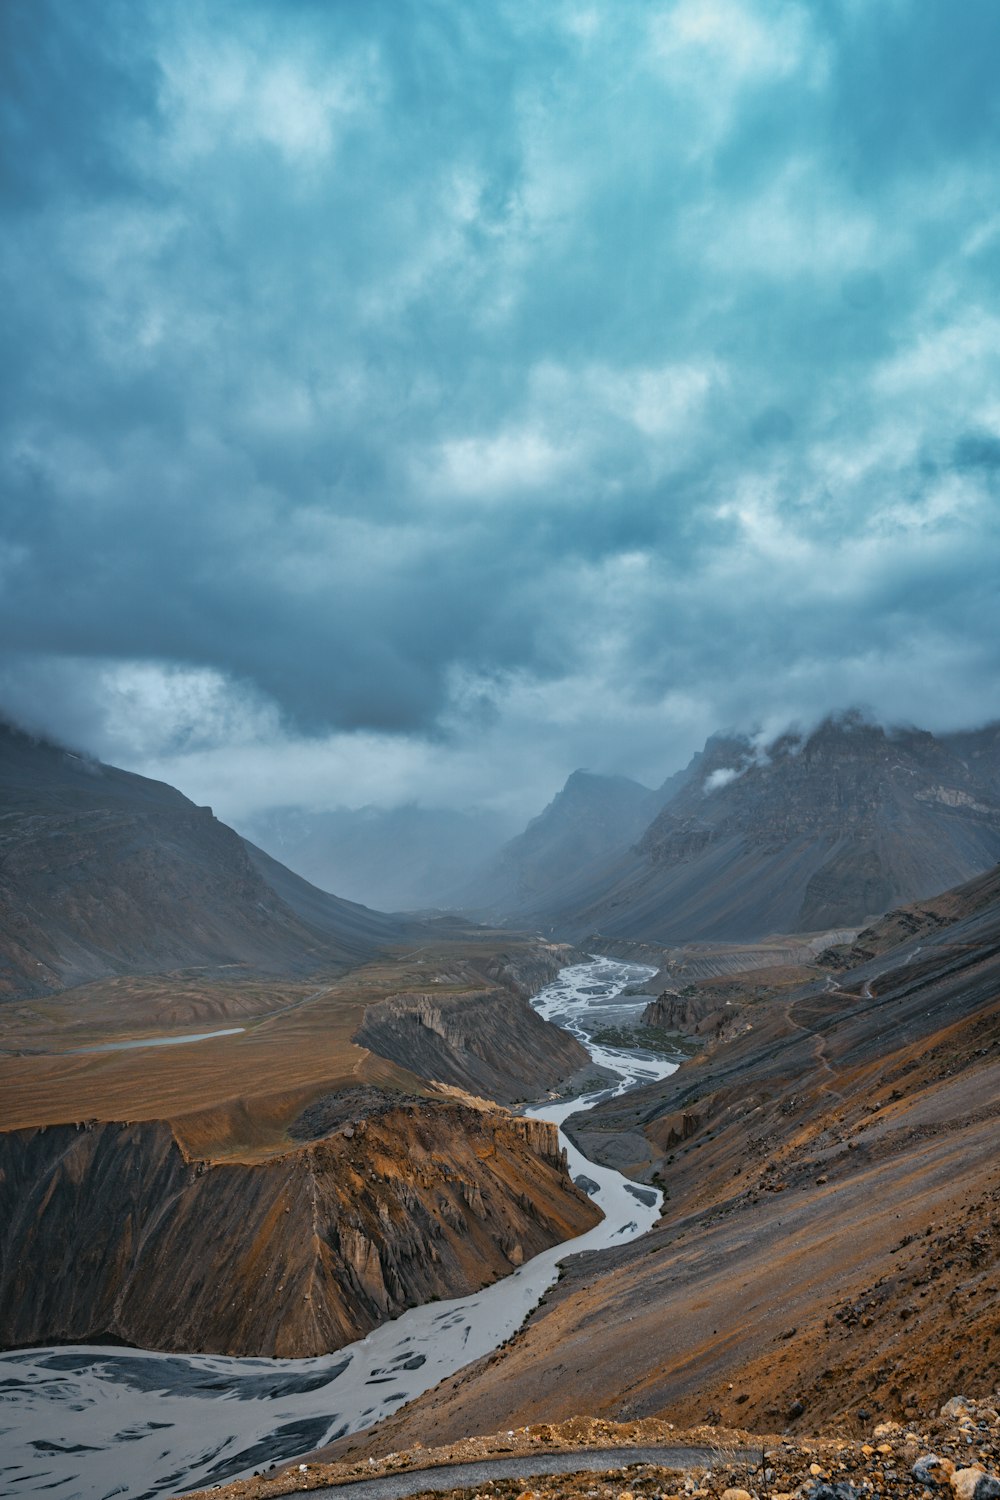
344	1151
831	1241
592	819
811	832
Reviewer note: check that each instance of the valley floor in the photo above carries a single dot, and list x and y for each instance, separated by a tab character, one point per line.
829	1254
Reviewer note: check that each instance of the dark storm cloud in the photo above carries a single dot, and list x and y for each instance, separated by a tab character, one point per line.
381	362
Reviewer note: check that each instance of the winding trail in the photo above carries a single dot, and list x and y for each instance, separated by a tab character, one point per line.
95	1422
527	1466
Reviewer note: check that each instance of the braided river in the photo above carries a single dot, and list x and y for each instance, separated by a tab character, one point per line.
91	1422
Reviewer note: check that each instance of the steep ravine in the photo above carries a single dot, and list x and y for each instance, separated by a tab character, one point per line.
372	1202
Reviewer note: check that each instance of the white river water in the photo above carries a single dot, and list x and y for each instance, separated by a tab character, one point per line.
159	1041
87	1422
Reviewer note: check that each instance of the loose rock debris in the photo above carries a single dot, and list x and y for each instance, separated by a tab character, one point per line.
952	1456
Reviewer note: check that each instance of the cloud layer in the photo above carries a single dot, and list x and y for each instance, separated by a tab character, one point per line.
452	395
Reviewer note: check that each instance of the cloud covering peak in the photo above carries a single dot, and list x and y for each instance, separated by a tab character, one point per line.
457	394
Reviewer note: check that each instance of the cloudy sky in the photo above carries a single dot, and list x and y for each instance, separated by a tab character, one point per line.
416	399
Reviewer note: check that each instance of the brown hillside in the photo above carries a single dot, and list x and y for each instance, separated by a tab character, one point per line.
832	1237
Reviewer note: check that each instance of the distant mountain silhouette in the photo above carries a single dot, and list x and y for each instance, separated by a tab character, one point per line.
398	859
590	820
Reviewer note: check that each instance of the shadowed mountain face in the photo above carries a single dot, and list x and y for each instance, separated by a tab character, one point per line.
592	819
980	749
317	1249
812	834
103	872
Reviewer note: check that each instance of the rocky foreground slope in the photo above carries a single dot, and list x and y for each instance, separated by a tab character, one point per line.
953	1453
831	1240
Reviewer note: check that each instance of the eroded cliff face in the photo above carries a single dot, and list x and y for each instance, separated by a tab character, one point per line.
112	1230
488	1042
530	967
832	1229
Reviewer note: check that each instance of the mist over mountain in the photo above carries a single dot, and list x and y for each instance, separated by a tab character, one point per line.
497	498
819	827
813	831
401	858
591	819
980	749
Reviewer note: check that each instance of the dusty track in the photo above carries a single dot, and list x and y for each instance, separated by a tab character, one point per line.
461	1476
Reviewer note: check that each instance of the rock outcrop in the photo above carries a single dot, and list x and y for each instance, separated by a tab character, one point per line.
673	1012
487	1042
830	1246
926	1455
112	1230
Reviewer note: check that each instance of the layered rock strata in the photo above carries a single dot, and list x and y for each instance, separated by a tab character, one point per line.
488	1042
112	1230
830	1246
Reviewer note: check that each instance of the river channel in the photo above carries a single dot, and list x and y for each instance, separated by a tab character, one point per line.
86	1422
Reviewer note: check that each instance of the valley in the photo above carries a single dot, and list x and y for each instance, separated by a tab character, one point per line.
333	1183
500	750
831	1237
209	1417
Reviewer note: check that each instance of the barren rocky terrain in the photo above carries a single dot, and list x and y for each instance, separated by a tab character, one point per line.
103	872
808	833
114	1230
268	1119
953	1452
831	1239
337	1149
282	1189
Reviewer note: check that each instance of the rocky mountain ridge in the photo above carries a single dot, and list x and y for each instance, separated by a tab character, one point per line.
592	818
832	1156
811	832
